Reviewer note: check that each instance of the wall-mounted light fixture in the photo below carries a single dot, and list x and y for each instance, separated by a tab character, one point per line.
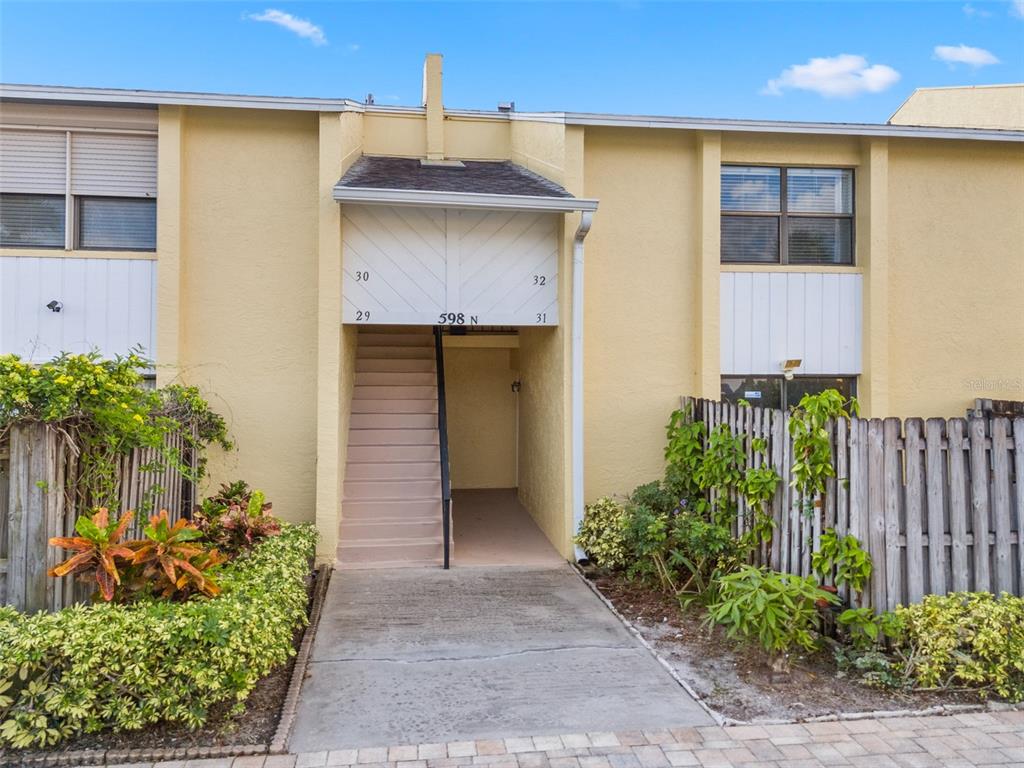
788	366
55	306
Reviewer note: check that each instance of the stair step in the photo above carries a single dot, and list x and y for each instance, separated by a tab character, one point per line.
400	392
395	406
366	490
389	453
393	437
396	378
388	564
369	530
394	470
393	421
421	353
381	509
374	339
364	365
390	550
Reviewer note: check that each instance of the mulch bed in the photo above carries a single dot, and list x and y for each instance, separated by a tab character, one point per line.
735	678
256	725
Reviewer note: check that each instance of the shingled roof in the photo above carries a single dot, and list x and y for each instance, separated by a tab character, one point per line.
473	183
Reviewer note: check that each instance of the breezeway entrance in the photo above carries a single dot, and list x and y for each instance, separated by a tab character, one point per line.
423	655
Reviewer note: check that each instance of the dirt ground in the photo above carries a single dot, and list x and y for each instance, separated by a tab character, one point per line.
735	678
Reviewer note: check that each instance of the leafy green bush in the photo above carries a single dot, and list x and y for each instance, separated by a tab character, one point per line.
777	609
970	639
602	533
88	668
842	559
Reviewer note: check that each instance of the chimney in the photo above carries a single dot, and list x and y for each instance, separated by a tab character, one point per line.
432	100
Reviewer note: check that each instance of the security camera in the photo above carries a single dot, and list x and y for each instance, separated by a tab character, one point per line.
55	306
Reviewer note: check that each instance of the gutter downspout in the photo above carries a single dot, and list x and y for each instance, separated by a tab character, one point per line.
586	219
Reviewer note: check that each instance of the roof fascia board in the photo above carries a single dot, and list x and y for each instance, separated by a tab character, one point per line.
763	126
431	199
120	97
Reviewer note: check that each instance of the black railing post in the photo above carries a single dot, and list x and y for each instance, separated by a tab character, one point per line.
442	432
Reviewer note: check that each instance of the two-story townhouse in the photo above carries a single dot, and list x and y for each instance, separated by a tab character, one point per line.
292	256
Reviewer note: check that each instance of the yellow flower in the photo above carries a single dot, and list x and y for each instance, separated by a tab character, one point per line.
138	418
94	391
35	371
125	406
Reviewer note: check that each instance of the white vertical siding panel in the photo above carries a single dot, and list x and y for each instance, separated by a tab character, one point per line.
812	322
743	320
778	322
830	313
796	335
850	324
768	317
75	299
726	317
96	305
118	290
108	305
760	330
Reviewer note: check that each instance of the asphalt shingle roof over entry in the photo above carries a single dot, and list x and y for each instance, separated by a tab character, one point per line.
475	177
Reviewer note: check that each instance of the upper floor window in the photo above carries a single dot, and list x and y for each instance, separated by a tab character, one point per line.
787	215
76	190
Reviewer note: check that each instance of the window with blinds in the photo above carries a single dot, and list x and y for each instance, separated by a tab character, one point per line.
787	215
105	183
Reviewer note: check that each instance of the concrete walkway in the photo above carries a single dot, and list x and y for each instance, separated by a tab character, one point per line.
413	656
951	741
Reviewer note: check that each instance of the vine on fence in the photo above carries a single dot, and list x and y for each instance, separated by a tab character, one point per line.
104	410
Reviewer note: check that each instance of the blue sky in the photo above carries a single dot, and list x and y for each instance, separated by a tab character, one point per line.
833	61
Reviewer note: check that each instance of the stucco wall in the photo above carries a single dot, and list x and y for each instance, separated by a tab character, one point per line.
956	306
641	312
980	106
481	417
542	446
248	292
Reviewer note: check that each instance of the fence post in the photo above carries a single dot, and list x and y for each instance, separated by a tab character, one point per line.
979	504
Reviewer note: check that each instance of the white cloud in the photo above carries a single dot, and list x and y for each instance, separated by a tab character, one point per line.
1017	8
845	76
965	54
972	11
301	27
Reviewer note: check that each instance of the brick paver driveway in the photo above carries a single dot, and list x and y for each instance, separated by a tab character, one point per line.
953	741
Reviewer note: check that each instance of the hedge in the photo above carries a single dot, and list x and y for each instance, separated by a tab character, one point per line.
89	668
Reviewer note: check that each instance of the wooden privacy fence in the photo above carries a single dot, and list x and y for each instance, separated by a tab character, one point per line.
938	503
38	469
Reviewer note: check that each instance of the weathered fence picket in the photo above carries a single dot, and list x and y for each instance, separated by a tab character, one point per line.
938	503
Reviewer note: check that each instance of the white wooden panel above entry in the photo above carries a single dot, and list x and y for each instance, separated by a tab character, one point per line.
435	266
108	305
769	317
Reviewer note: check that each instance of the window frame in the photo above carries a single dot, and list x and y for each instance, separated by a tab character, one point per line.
783	214
76	205
854	379
72	218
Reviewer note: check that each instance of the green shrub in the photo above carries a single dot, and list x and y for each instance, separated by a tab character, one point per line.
777	609
88	668
601	535
844	559
655	496
970	639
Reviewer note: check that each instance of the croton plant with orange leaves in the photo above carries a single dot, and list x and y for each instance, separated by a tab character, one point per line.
169	562
98	547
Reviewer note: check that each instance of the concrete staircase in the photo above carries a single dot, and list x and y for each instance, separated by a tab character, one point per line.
391	507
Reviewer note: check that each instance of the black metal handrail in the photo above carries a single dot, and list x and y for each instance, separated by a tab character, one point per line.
442	432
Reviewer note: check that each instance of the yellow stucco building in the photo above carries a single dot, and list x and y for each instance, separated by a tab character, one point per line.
292	256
